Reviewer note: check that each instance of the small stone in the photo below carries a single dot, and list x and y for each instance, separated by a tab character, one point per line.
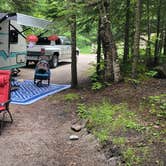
156	126
74	137
76	127
113	161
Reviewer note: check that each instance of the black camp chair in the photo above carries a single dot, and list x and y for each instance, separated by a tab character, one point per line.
42	72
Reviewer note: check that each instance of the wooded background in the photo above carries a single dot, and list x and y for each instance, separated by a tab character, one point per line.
129	35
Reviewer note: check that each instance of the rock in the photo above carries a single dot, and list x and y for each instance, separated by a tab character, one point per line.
74	137
156	126
161	71
76	127
84	122
114	161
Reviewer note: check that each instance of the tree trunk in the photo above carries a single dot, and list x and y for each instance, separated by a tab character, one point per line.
127	25
98	69
116	67
74	81
161	42
156	52
148	47
112	69
106	41
164	52
136	39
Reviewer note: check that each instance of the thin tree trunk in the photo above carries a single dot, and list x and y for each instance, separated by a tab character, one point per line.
136	39
98	70
161	42
74	81
164	52
148	48
156	52
127	25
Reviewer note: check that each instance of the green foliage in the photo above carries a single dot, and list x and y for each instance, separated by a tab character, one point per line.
97	85
105	117
130	157
84	49
4	6
126	69
119	141
82	111
157	105
133	81
97	82
151	73
23	6
102	135
71	97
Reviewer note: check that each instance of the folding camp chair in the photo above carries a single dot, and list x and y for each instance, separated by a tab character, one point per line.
5	78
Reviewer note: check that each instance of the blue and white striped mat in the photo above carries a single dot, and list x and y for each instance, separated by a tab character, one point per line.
28	92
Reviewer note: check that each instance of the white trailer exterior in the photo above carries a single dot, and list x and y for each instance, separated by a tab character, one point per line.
13	46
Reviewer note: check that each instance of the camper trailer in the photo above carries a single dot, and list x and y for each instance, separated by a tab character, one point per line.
13	46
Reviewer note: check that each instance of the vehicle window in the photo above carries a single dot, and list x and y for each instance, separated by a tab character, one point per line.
13	36
43	41
66	41
58	42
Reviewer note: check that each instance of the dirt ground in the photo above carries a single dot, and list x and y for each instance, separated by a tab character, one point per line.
39	135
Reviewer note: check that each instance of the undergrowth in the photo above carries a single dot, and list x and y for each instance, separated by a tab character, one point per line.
105	118
156	105
71	97
118	124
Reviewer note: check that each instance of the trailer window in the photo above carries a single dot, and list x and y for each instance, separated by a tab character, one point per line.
13	37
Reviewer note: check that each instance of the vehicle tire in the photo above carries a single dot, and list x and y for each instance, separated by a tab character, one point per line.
54	61
77	52
27	63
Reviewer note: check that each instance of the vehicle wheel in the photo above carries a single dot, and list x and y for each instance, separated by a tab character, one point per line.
27	63
54	61
77	52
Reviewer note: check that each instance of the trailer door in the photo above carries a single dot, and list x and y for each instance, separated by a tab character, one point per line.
4	44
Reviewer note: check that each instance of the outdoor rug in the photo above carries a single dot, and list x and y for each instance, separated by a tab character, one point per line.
28	92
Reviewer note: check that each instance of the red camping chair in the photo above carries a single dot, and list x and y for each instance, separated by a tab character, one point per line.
5	78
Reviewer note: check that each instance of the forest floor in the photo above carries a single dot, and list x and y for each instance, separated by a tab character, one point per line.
142	140
39	135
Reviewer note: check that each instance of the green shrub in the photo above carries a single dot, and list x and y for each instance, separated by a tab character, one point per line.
82	111
97	85
151	73
156	105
